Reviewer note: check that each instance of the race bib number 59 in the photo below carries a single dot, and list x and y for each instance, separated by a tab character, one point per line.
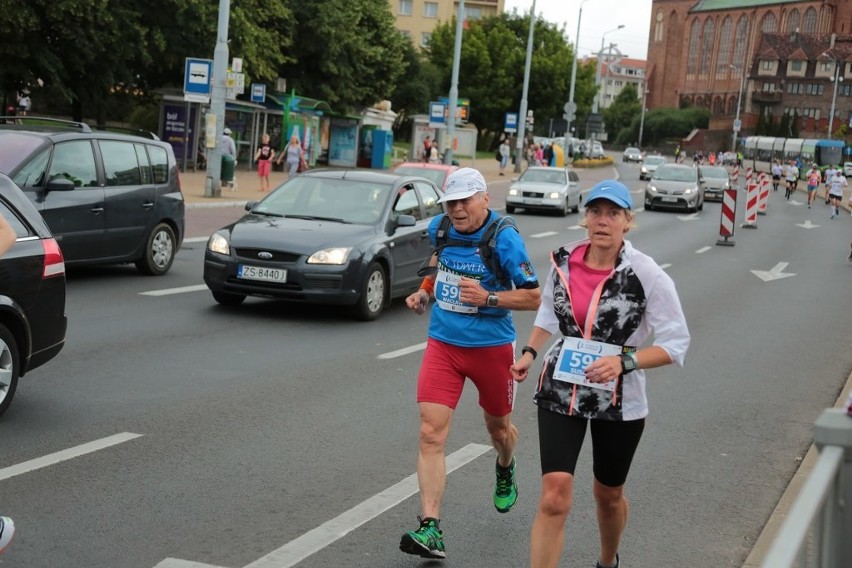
576	355
448	293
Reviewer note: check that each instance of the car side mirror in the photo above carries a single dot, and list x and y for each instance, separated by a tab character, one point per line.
406	221
60	183
250	205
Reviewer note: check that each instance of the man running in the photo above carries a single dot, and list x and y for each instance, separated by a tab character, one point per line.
471	335
835	192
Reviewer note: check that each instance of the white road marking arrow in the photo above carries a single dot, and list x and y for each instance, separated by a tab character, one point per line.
797	203
807	225
691	217
774	274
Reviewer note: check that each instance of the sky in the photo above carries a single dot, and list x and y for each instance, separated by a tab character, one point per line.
599	17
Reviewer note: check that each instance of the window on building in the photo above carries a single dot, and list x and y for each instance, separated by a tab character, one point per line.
707	45
826	67
766	65
769	24
425	38
430	9
793	21
473	12
740	42
796	65
406	7
658	28
692	58
724	61
768	87
809	23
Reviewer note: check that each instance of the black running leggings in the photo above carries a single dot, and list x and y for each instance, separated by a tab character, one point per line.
613	445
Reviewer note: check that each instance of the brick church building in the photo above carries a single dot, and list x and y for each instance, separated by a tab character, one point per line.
753	57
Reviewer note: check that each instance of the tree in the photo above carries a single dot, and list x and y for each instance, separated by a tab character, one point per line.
621	113
346	52
492	63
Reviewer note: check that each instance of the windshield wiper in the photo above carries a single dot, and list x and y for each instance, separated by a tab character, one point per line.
316	218
267	213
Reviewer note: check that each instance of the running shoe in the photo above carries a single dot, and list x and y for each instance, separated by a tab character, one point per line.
617	563
506	490
426	542
7	529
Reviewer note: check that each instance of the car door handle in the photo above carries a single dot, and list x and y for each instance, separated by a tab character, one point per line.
147	205
97	210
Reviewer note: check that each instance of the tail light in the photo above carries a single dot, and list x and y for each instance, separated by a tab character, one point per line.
54	262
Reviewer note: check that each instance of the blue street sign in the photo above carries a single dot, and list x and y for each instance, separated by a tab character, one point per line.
197	78
436	112
510	123
258	93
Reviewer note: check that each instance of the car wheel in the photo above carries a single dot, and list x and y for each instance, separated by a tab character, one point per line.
576	208
566	208
159	251
9	368
649	207
373	294
227	299
700	206
510	209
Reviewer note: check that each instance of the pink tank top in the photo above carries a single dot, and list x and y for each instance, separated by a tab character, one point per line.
582	284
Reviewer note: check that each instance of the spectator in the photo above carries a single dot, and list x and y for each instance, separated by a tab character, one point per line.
264	156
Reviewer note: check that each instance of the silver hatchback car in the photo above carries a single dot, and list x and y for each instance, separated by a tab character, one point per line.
545	188
675	186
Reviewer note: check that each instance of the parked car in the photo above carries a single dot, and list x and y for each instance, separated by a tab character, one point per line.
650	165
716	180
676	186
32	293
343	237
631	154
596	150
107	197
436	173
545	188
847	169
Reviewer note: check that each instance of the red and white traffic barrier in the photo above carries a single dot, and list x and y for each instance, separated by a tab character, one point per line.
763	200
736	176
729	215
752	194
749	172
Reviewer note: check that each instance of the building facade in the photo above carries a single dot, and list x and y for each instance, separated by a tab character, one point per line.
417	18
617	74
747	57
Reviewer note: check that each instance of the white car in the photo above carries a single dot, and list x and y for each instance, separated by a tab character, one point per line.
847	169
545	188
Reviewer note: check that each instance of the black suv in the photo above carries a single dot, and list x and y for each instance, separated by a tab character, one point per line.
32	293
107	197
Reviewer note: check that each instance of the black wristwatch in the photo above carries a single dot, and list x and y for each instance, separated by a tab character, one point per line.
628	362
530	350
493	300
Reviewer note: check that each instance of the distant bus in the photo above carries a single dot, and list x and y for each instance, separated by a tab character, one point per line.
761	151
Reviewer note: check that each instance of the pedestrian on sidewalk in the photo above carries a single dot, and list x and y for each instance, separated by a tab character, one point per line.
505	151
604	299
471	335
264	156
292	155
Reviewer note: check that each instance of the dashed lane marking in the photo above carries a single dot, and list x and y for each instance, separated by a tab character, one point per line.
64	455
544	234
402	352
702	250
170	291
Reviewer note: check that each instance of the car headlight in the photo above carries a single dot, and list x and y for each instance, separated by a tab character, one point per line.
337	255
218	243
554	195
652	189
727	185
513	191
688	190
644	170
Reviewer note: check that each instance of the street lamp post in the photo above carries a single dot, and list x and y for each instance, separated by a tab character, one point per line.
837	79
737	124
454	87
642	119
596	104
569	118
522	116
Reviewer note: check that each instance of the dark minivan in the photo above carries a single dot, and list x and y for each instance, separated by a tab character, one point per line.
32	293
107	197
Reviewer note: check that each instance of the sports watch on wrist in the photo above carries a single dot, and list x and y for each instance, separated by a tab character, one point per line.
628	362
493	300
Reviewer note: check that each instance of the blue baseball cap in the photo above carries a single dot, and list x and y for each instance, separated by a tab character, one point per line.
612	190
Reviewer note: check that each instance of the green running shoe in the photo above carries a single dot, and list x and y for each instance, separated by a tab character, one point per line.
506	490
427	541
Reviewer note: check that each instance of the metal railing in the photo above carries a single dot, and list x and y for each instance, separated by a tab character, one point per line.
816	532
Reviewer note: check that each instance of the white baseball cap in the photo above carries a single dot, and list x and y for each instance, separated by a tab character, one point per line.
462	184
227	130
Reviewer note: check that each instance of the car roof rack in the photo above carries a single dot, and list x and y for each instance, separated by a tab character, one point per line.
43	122
134	131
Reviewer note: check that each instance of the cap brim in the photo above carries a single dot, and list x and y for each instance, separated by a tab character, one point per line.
458	195
614	199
